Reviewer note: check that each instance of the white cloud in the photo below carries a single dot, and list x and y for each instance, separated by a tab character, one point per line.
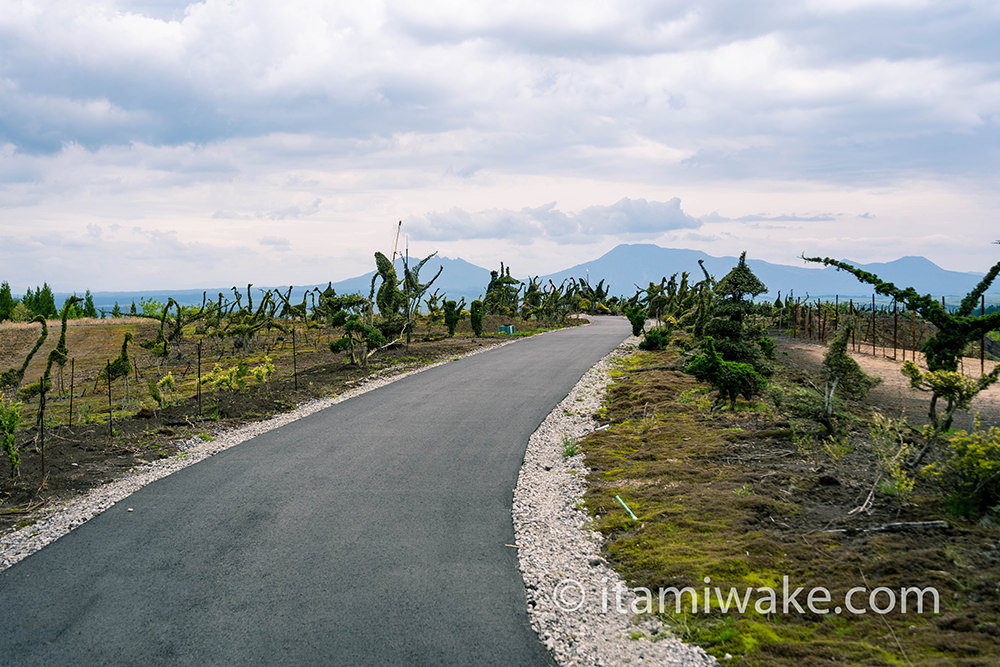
625	218
321	124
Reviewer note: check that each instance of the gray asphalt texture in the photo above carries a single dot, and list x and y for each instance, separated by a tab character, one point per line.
371	533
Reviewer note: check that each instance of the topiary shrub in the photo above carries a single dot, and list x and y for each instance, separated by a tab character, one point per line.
10	418
657	338
842	376
452	315
476	317
730	378
636	315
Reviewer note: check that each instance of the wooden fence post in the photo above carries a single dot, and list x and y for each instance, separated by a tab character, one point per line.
854	328
72	374
295	371
873	325
111	414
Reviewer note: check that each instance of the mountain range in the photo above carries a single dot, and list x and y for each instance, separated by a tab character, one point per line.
630	265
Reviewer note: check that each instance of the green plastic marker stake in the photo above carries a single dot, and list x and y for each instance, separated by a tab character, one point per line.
634	517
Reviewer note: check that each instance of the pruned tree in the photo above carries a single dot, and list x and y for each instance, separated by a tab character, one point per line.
736	337
120	367
730	378
842	374
476	317
956	389
435	309
453	314
502	293
389	299
414	290
60	354
363	340
10	419
531	303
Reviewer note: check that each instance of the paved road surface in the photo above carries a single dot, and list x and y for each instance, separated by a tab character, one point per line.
370	533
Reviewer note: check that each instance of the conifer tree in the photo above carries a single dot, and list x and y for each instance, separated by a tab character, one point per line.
45	302
736	339
6	302
88	305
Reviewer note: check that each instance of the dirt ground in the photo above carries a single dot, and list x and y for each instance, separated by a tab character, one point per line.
894	395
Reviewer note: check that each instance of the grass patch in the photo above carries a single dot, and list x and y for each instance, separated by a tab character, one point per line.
569	447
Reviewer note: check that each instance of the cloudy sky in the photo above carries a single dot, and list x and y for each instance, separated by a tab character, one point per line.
168	144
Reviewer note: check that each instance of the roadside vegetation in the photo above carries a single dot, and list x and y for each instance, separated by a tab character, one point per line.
751	471
85	397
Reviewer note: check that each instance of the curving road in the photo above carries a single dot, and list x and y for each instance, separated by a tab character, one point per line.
371	533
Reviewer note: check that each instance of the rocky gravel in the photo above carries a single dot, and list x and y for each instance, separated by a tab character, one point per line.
580	607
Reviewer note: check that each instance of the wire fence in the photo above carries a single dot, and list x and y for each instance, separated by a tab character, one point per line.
880	329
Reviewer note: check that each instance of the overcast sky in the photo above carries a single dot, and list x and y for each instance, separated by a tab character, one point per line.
167	144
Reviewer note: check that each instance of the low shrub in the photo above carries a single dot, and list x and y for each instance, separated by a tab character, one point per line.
971	475
657	338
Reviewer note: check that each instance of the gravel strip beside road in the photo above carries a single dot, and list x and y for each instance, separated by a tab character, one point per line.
64	517
567	581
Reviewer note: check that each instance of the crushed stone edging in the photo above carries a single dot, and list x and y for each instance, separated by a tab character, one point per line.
560	556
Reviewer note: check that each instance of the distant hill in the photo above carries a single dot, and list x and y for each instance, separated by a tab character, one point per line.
628	265
458	278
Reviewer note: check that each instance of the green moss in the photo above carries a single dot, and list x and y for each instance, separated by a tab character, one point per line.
700	517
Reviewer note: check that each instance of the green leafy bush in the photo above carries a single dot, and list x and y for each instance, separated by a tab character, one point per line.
971	475
657	338
957	390
234	377
263	372
159	390
890	446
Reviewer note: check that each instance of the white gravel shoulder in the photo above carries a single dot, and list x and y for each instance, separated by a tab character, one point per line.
59	519
579	606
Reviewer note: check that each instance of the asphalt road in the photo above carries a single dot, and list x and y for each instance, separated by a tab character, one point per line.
371	533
